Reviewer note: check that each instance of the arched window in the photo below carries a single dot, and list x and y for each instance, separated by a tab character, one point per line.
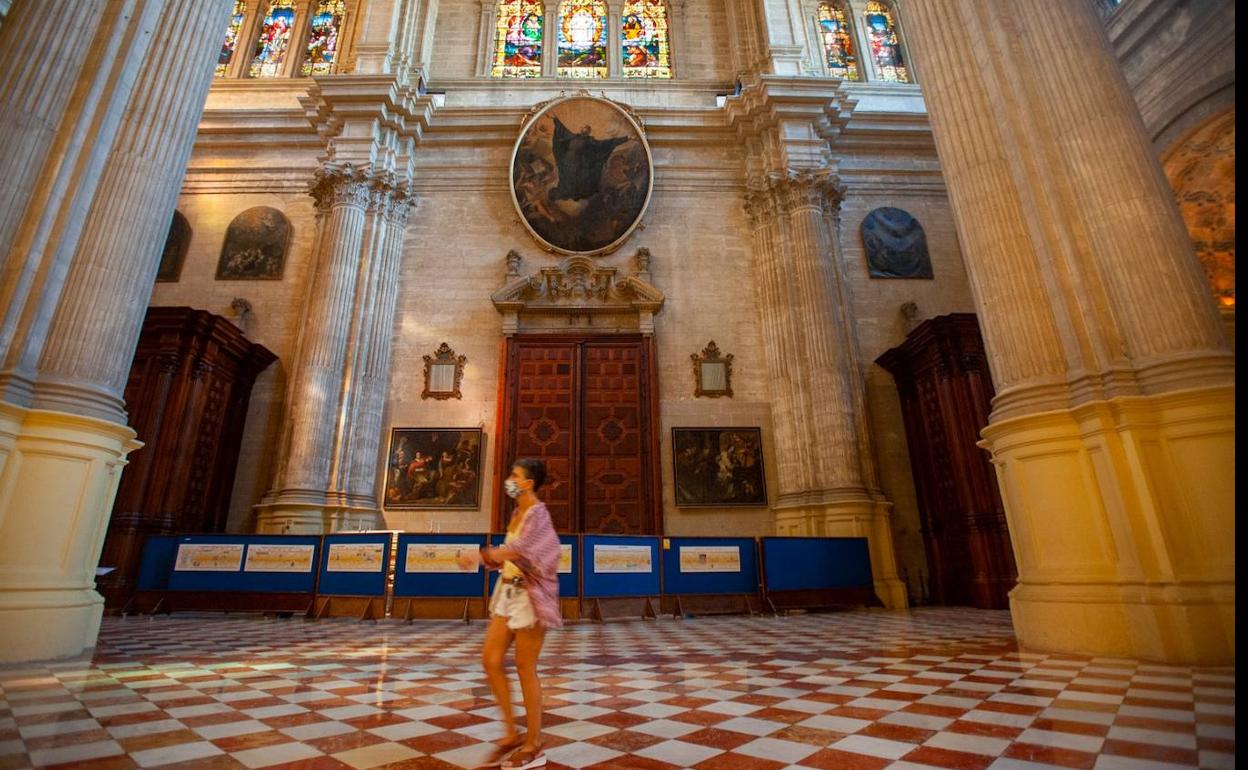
838	40
884	43
583	39
231	36
326	27
645	41
274	40
518	39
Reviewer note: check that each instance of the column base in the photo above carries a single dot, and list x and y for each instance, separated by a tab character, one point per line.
1121	516
301	517
849	513
58	478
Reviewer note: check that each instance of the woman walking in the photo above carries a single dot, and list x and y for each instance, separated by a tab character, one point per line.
525	604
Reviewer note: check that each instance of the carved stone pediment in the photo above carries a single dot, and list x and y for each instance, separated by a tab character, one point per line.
577	291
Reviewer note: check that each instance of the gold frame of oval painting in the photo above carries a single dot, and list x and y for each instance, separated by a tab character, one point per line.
581	175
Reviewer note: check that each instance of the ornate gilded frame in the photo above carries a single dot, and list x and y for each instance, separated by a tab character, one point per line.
443	356
711	355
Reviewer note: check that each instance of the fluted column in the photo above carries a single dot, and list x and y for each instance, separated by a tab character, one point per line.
805	320
91	342
97	116
1113	426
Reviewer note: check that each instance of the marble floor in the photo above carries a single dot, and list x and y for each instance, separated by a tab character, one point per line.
943	688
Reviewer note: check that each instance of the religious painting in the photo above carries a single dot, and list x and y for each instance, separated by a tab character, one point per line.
581	175
896	245
255	246
434	468
718	466
176	244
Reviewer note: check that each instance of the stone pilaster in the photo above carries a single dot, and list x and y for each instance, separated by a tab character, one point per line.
86	360
1113	426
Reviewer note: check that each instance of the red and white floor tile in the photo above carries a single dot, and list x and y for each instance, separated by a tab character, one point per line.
944	688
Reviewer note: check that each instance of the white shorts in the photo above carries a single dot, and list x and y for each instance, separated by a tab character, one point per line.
513	602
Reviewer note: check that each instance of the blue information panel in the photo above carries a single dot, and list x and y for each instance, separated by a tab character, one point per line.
354	565
710	565
157	562
569	566
245	563
426	566
805	563
616	565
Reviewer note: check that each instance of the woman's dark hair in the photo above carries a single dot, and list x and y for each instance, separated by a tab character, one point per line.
534	469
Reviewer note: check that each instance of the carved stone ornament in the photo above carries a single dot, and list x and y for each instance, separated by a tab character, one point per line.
443	372
577	291
712	373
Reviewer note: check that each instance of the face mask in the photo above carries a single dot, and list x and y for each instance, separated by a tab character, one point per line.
511	488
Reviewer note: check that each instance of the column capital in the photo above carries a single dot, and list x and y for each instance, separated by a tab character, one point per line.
796	189
335	184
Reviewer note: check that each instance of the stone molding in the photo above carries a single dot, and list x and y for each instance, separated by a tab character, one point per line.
578	287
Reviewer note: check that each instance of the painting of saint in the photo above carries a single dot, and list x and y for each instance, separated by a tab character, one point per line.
255	246
434	468
581	175
718	466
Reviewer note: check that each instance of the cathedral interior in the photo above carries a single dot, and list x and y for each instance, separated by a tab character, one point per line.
941	291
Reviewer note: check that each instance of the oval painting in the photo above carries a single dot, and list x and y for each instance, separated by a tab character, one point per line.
581	175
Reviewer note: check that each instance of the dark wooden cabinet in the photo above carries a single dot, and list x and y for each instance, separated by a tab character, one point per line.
946	394
584	406
187	396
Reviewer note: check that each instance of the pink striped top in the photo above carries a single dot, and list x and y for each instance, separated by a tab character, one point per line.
538	547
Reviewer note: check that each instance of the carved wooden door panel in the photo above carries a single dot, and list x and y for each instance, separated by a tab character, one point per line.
583	405
543	423
614	482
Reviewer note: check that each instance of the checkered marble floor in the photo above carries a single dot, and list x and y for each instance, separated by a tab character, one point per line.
943	688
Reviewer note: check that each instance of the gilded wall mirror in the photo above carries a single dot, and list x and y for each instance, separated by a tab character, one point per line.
712	373
443	372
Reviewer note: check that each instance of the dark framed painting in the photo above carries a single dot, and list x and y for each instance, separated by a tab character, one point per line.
718	467
896	245
434	468
581	174
255	246
176	243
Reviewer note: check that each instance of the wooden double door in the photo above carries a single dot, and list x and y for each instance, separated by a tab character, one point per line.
587	407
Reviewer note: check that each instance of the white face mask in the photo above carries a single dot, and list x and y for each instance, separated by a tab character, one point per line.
512	488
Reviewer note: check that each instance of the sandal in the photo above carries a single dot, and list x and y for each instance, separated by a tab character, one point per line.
525	759
502	751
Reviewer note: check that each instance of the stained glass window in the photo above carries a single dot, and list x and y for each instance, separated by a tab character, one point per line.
884	43
583	39
322	47
646	48
274	40
231	36
838	40
518	40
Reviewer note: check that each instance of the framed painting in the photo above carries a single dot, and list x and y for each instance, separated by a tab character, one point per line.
176	244
718	467
434	468
255	246
581	174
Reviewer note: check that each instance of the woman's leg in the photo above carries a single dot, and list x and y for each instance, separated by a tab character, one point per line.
497	639
528	648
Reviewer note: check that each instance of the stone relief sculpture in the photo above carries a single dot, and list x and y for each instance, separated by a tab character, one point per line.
255	246
581	174
896	245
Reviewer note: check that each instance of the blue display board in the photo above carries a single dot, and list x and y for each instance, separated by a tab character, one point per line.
426	583
805	563
157	562
217	569
743	582
604	584
568	581
346	565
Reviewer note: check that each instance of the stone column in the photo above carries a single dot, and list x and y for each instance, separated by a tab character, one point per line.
615	41
109	148
307	494
1113	427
